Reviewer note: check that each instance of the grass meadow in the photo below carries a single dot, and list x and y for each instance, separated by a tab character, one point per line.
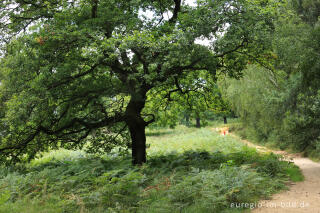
188	170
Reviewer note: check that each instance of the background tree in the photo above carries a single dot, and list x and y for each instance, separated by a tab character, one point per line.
281	105
194	97
79	71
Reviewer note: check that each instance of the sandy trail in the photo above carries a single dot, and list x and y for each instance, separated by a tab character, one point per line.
302	196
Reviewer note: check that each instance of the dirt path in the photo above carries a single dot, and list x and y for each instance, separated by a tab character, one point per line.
302	196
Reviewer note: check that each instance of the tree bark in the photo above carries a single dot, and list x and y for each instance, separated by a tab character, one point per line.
94	8
225	120
187	120
137	127
138	137
198	125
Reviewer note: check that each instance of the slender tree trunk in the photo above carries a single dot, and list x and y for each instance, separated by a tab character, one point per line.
225	120
137	127
187	120
198	125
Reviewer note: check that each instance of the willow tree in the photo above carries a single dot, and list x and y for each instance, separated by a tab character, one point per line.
76	73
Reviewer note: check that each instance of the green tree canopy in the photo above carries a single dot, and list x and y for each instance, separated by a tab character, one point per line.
282	106
78	71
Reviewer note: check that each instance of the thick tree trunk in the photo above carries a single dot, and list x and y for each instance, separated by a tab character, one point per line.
225	120
198	125
137	126
138	137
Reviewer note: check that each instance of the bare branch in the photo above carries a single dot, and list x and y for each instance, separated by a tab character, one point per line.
176	10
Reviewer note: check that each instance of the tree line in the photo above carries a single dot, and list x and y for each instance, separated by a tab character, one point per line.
281	103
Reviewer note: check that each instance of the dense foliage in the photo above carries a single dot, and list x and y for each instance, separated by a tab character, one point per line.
281	105
80	71
92	75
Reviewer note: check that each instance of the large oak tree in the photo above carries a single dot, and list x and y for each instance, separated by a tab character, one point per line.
77	73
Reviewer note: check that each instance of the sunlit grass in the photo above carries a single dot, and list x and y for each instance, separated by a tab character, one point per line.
183	139
182	164
58	155
295	174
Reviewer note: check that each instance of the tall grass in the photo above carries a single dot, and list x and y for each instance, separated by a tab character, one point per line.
188	170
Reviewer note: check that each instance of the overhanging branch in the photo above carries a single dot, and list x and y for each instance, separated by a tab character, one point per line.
176	10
